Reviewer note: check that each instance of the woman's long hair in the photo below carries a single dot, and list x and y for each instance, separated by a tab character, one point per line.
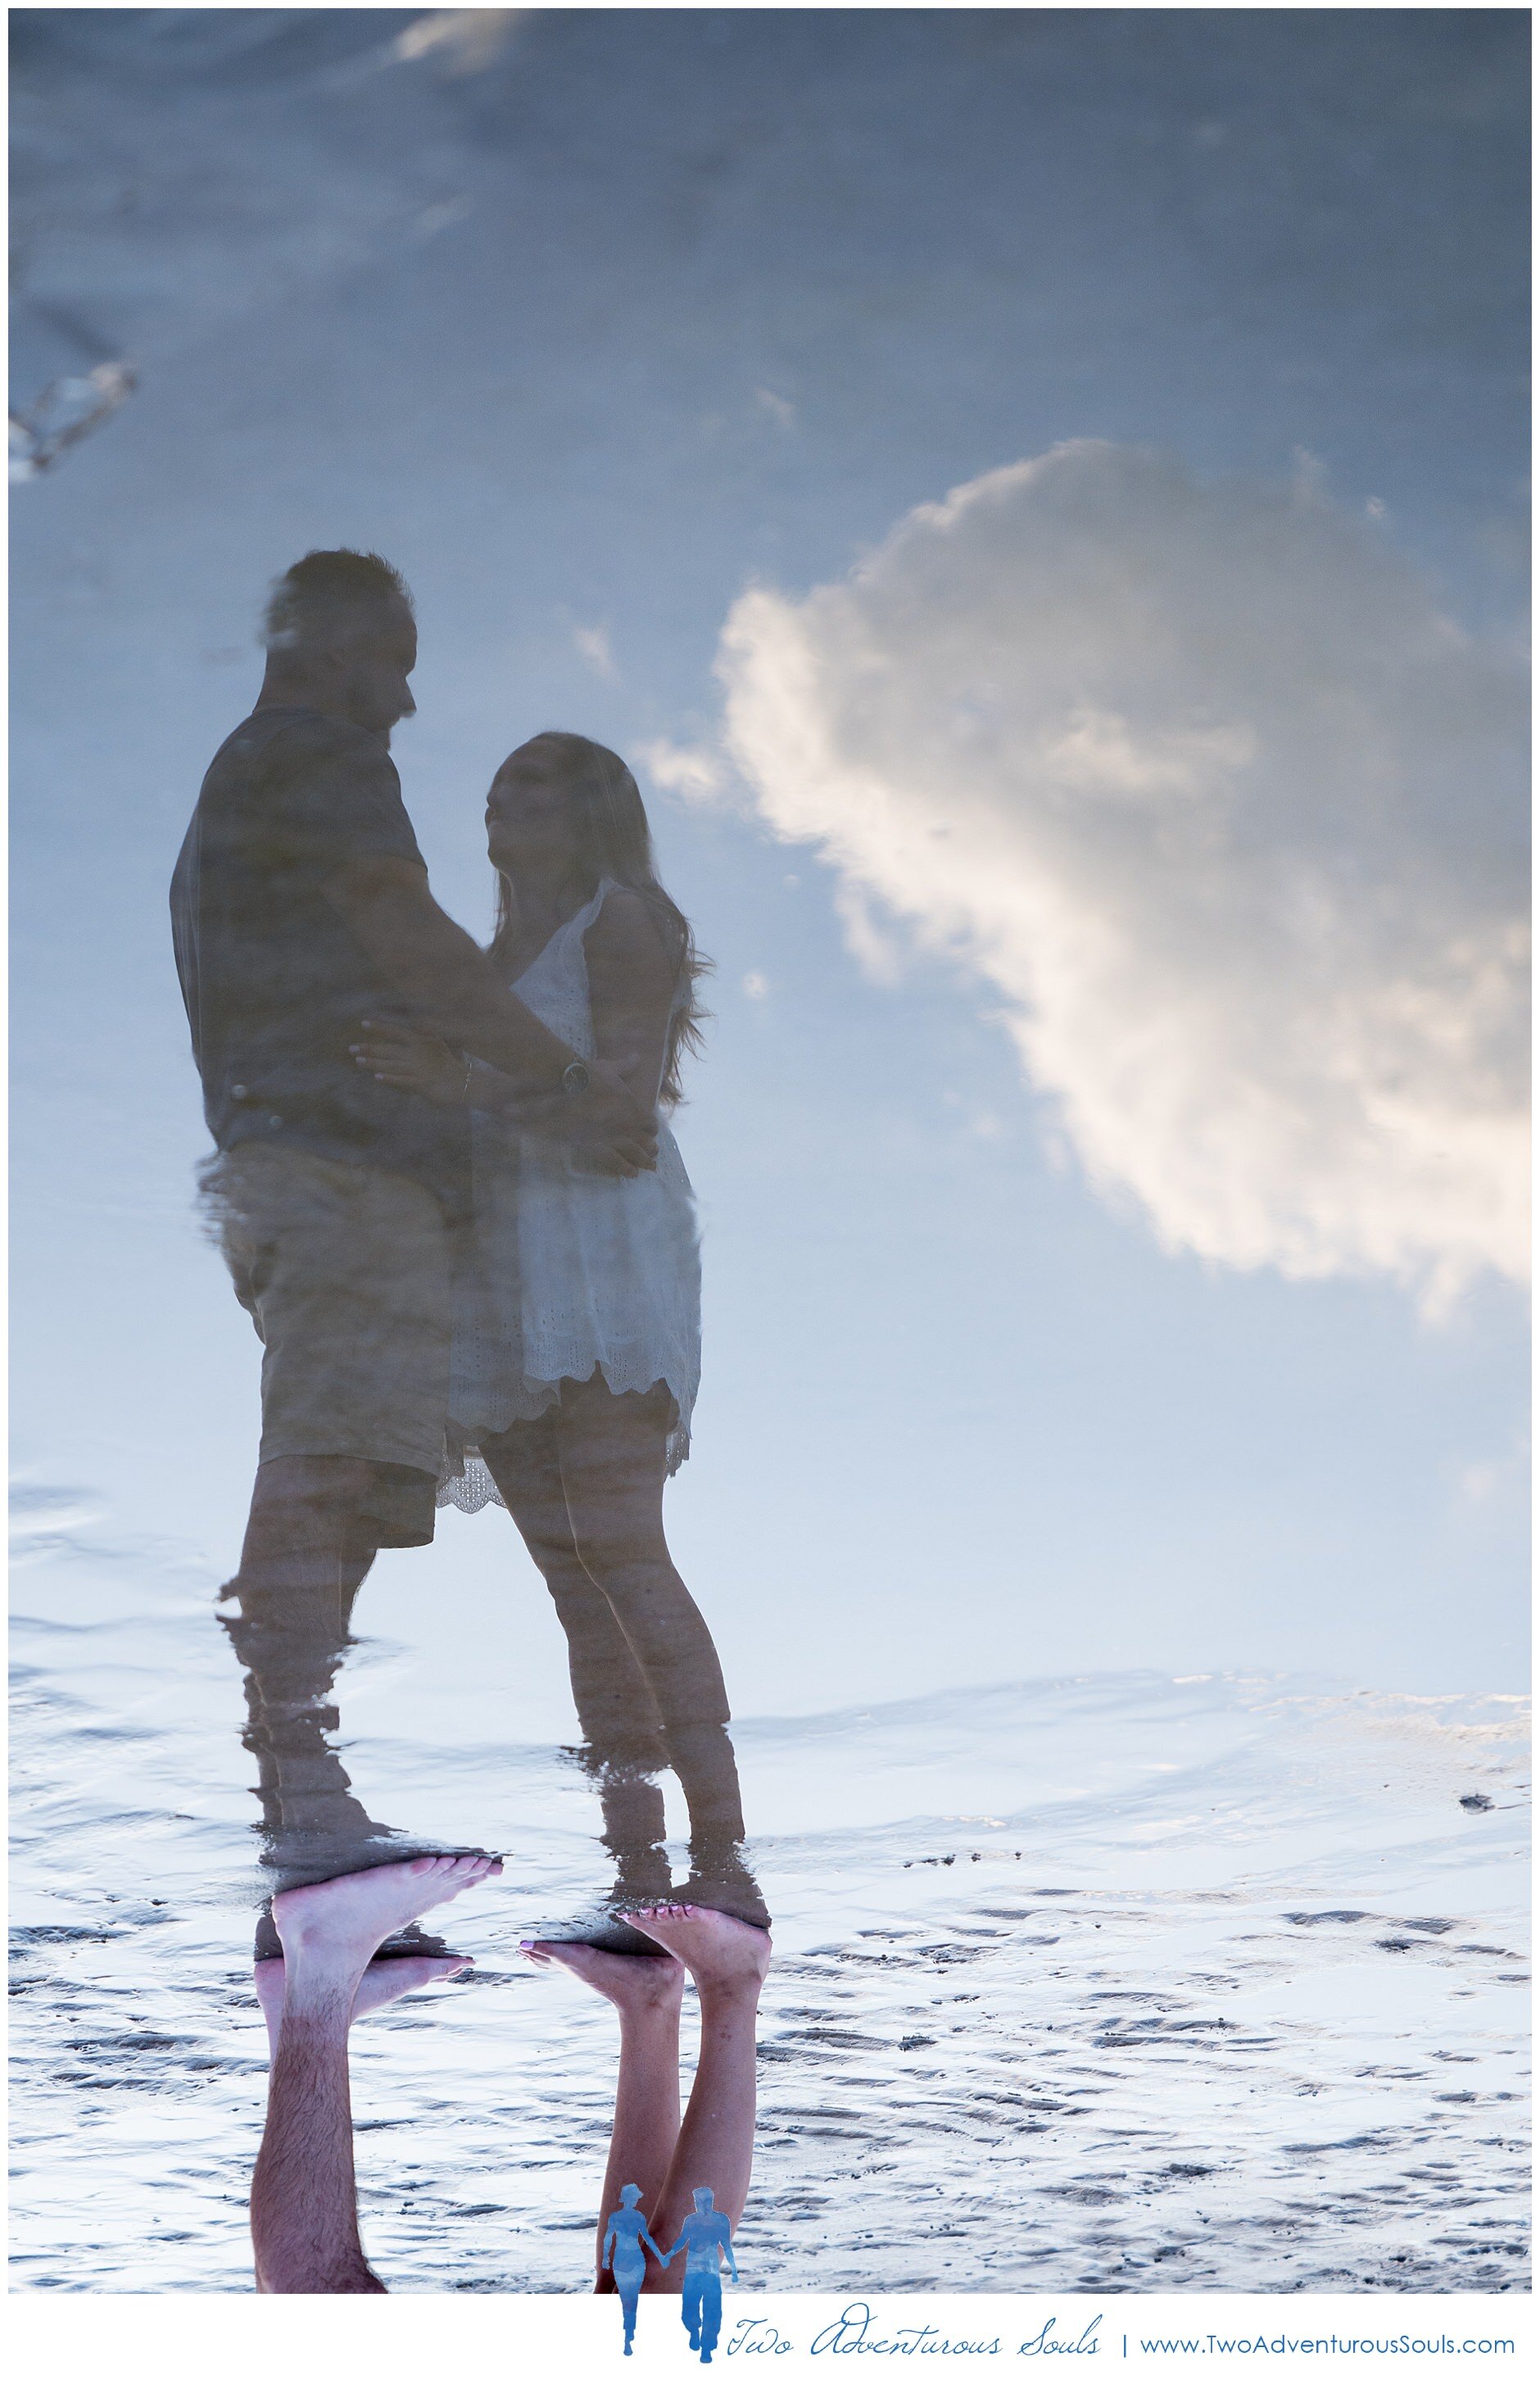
614	840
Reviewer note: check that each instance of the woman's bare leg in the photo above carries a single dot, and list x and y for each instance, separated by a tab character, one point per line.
611	1450
646	1989
609	1688
727	1959
624	1747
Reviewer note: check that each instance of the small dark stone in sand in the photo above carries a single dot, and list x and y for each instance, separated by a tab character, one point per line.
1477	1804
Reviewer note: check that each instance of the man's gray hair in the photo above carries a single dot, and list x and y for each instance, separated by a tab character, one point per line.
325	584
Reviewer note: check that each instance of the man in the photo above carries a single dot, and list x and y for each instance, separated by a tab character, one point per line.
706	2236
300	909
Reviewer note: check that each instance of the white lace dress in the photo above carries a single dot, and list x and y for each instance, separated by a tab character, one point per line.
565	1271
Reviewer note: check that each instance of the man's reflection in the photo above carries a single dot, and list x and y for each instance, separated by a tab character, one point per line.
301	908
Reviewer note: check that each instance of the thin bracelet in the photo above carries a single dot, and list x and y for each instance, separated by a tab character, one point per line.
464	1089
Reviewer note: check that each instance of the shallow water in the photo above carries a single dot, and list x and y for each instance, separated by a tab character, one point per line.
1108	1983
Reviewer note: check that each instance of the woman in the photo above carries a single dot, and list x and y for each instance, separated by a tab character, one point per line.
578	1333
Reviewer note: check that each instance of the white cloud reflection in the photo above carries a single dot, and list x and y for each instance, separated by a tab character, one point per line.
462	41
1202	782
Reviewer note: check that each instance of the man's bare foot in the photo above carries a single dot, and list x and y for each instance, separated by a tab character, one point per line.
381	1983
334	1927
719	1952
633	1983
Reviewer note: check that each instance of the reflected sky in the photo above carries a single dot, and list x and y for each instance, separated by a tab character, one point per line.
591	331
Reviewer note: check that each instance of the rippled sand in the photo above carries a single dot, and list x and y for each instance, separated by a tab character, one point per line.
1111	1984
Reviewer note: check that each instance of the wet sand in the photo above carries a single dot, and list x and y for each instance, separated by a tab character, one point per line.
1117	1983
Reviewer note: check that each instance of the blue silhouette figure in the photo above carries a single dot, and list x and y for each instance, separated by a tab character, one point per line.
703	2238
622	2255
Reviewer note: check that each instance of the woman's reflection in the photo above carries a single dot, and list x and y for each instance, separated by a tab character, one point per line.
576	1356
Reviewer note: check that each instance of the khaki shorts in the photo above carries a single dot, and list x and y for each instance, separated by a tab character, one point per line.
345	1273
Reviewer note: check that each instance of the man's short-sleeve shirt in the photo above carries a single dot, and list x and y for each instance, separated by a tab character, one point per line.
275	982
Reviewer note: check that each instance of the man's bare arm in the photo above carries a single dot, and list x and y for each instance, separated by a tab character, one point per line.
421	952
418	948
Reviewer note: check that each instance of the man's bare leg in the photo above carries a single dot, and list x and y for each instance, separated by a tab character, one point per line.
727	1959
647	1991
308	1548
382	1983
307	1539
305	2216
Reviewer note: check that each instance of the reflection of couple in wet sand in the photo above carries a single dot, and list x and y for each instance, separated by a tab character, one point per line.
468	1247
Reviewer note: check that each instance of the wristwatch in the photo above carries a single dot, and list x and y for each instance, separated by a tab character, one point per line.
576	1077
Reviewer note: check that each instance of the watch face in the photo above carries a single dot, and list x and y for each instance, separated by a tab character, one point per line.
575	1077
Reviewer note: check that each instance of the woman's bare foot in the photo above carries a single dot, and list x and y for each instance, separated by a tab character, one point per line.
633	1983
336	1926
381	1983
723	1885
720	1954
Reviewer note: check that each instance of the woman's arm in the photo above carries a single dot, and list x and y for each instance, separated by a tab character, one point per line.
631	985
